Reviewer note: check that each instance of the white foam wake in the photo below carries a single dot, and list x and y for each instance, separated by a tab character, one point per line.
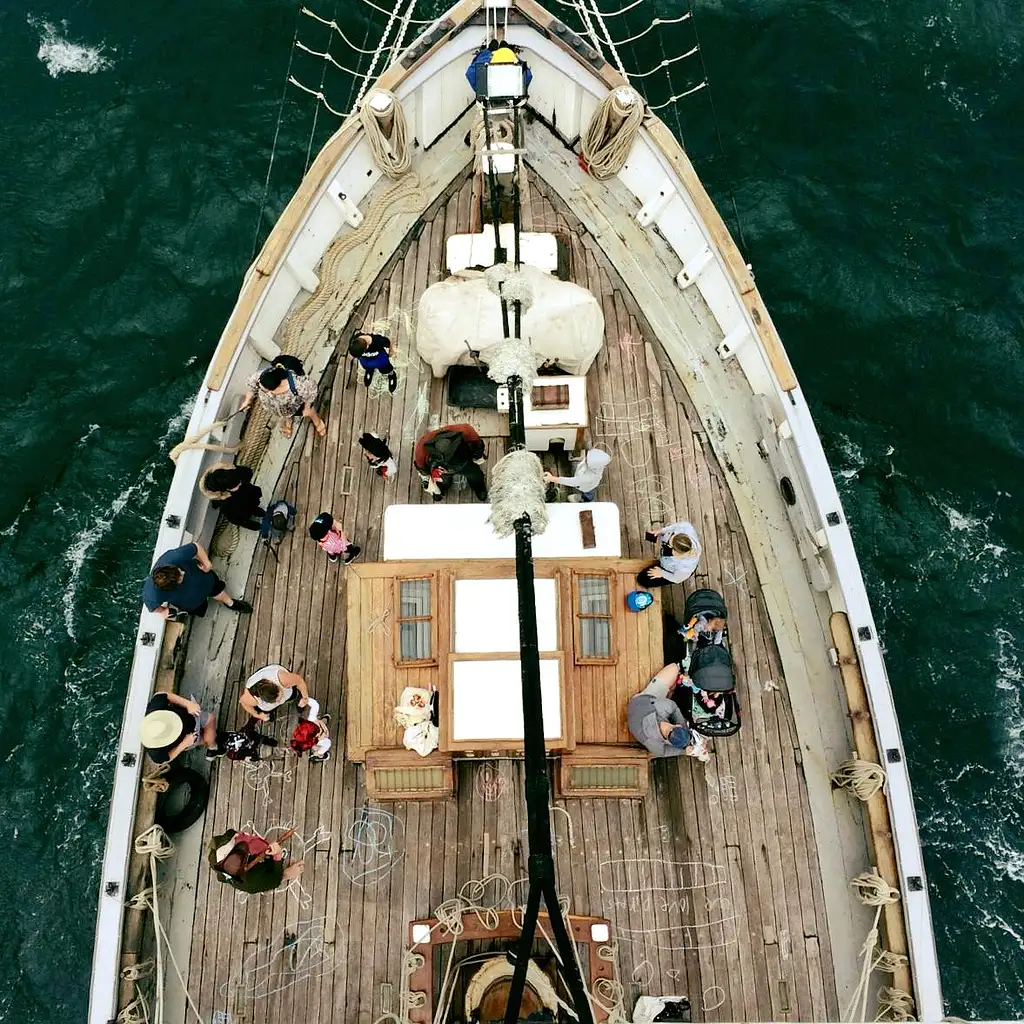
60	55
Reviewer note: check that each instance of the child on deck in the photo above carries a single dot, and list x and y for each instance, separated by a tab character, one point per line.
378	454
374	353
330	537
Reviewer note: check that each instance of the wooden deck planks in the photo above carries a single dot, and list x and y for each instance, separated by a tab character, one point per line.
732	840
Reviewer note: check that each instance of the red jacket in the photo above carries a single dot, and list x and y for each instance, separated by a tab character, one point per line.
469	436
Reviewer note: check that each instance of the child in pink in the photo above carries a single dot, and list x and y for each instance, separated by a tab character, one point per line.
330	537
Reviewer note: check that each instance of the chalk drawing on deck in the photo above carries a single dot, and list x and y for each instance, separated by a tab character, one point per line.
374	842
296	956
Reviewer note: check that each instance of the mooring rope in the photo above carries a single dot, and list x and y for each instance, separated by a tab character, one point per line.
613	128
862	778
391	150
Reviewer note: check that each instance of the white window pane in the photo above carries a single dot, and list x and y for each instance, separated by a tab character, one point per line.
414	598
595	638
593	592
414	640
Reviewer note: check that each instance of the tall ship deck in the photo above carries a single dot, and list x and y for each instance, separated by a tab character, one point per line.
724	884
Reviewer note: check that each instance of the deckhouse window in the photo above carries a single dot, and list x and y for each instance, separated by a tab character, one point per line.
415	620
593	613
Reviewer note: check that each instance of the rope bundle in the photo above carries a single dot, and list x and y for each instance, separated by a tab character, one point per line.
155	782
517	489
862	778
612	130
391	150
512	357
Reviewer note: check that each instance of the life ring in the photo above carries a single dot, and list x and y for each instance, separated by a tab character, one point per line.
182	804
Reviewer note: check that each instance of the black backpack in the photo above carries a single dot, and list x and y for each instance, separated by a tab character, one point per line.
443	449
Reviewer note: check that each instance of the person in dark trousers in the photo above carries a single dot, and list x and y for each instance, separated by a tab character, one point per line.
248	862
183	580
454	449
173	724
374	354
232	492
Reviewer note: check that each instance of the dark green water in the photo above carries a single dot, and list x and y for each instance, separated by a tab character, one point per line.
874	153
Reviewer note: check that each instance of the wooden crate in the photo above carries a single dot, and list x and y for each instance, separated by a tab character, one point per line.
404	775
604	771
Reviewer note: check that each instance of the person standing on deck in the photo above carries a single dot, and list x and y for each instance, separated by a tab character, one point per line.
587	476
332	538
231	491
378	455
374	354
453	449
284	390
270	688
183	580
248	862
678	555
655	720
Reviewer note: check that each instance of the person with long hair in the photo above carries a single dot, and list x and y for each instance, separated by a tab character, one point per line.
678	555
284	390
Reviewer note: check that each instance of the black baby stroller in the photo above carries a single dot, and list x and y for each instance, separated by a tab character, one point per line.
708	699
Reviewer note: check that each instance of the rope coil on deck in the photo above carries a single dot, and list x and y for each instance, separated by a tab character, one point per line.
610	135
387	132
874	891
862	778
155	781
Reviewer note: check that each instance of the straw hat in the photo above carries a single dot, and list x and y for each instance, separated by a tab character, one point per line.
160	729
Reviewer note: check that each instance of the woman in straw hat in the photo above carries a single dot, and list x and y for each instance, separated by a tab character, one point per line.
173	724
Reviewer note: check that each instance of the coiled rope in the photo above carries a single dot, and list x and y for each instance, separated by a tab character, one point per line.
226	539
155	844
155	782
874	891
895	1004
612	130
391	150
862	778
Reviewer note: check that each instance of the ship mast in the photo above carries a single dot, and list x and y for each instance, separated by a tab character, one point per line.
507	100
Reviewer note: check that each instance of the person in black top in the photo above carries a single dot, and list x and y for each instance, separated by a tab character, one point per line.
231	490
374	353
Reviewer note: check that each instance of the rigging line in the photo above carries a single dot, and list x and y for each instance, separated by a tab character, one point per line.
584	14
404	27
380	49
319	95
352	87
273	148
413	21
604	14
721	145
607	35
680	96
337	28
327	58
665	63
655	22
316	109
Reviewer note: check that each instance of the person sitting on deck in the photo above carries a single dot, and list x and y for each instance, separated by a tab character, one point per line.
248	862
655	719
270	688
378	454
173	724
374	353
231	491
587	476
183	580
284	390
454	449
496	52
332	538
679	553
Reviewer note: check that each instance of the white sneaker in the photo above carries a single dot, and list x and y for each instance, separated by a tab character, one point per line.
701	748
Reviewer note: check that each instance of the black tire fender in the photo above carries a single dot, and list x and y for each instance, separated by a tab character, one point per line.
189	806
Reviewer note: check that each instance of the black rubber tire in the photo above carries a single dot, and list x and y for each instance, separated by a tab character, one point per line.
189	811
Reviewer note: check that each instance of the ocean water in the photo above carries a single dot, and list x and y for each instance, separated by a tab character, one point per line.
867	155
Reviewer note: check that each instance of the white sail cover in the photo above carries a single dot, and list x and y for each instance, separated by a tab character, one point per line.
564	323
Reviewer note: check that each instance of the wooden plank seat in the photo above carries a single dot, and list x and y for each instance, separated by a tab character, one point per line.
601	770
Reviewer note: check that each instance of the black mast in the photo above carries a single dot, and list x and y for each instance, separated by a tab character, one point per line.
541	863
